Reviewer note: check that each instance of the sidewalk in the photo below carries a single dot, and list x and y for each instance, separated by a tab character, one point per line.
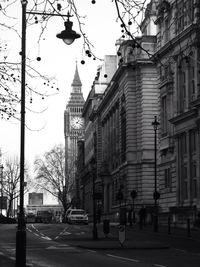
139	239
133	240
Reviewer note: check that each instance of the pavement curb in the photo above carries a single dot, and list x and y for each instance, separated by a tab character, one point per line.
104	245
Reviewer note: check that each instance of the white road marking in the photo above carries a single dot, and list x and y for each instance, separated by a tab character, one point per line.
46	237
66	233
159	265
122	258
181	250
90	250
60	247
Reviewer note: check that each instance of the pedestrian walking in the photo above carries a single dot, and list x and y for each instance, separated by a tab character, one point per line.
142	217
130	217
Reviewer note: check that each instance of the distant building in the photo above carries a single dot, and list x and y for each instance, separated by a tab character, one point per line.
103	77
35	198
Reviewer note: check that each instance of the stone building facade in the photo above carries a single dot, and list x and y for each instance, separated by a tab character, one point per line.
90	171
178	55
119	133
125	114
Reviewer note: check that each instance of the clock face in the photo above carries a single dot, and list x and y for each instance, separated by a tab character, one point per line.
77	123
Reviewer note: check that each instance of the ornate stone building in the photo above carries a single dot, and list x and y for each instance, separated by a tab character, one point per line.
90	172
119	132
73	129
178	55
125	114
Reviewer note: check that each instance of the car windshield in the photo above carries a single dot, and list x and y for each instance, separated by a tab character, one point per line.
80	212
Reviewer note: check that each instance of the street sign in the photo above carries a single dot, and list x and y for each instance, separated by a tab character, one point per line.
122	231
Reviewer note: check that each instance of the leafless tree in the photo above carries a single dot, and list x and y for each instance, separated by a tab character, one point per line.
11	180
129	13
50	175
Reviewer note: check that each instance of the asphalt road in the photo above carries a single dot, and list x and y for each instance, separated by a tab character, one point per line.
56	245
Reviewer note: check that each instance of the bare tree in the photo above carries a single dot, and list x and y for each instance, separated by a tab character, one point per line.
50	175
10	67
11	180
129	16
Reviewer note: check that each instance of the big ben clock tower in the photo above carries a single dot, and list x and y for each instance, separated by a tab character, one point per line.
73	127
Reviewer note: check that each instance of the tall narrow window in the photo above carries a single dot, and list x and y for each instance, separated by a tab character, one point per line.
192	87
180	17
123	129
168	180
193	145
184	14
193	167
189	11
181	85
166	33
183	144
164	121
185	181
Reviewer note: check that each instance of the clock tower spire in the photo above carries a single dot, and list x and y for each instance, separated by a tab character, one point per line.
73	127
76	84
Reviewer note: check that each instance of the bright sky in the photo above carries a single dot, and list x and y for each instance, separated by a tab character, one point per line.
58	59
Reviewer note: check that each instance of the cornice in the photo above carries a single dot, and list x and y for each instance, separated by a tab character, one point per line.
169	46
184	116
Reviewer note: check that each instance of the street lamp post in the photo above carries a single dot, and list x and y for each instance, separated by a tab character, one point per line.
21	228
1	188
156	194
93	169
133	196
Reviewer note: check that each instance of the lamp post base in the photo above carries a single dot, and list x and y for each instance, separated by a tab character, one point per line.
95	233
155	223
21	247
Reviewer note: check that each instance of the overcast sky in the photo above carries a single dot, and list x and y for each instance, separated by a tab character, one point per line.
58	59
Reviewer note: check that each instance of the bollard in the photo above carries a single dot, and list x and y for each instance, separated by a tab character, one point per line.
188	228
169	226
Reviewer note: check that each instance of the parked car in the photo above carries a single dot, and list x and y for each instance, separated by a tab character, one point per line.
30	217
76	216
44	216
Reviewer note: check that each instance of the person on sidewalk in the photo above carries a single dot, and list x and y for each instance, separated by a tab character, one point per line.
99	215
142	216
130	217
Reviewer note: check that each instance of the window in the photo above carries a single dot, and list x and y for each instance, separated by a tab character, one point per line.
185	181
182	89
192	91
184	14
180	17
167	31
189	11
193	145
193	167
123	129
123	135
164	121
183	144
168	180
